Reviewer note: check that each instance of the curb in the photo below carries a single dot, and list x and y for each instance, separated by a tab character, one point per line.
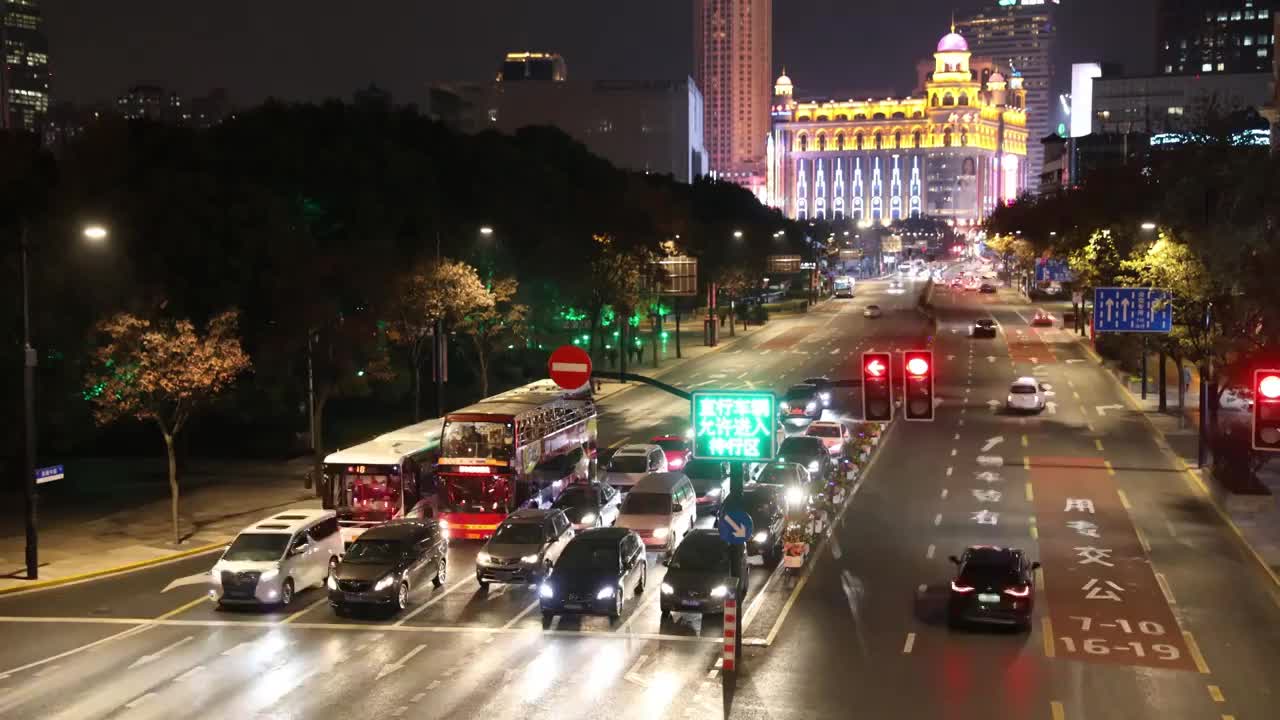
56	582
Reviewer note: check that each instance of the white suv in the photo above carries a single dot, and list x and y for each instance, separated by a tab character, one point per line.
1025	395
272	559
632	462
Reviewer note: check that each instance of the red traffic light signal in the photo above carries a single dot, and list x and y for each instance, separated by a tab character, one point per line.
918	385
877	387
1266	410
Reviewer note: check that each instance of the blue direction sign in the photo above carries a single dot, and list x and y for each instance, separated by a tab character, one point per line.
1053	270
48	474
735	526
1123	309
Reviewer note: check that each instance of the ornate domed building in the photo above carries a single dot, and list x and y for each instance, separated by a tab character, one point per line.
953	152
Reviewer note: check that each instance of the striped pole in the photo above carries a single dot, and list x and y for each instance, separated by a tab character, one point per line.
730	634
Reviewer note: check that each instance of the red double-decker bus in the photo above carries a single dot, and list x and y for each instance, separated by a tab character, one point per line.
515	449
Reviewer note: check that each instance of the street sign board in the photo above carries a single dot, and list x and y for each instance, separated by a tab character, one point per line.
679	276
734	425
1077	297
1053	270
49	474
782	264
1126	309
735	526
569	366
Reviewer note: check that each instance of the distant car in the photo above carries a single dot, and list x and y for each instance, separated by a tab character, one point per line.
993	585
872	311
1042	319
523	547
710	480
700	576
809	452
386	563
983	327
957	282
594	574
1025	395
832	434
986	288
800	402
676	448
632	462
766	505
824	387
589	505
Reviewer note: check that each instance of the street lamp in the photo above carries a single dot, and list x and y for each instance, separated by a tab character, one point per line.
737	234
96	233
1148	226
486	231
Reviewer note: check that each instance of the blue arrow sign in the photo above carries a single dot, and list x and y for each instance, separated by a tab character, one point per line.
1141	310
48	474
735	527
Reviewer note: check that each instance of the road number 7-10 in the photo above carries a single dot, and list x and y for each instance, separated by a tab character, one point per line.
1146	627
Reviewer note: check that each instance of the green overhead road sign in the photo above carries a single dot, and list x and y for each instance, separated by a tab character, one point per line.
734	425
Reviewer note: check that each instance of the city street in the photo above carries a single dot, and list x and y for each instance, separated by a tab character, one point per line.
149	643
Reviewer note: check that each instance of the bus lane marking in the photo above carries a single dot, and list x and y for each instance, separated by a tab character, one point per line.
1103	596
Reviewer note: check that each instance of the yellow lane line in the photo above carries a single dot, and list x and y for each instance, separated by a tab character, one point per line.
1030	493
70	579
1110	468
1055	709
1215	692
1201	665
1026	463
1124	499
1097	442
1146	546
305	610
1046	627
184	607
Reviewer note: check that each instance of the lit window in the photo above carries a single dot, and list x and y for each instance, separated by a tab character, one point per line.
1221	67
1222	17
1168	69
1207	67
1247	40
1235	15
1262	52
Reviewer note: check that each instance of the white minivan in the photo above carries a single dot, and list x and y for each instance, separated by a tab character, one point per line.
272	559
661	509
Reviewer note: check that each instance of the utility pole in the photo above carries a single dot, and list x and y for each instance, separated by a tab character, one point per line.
29	359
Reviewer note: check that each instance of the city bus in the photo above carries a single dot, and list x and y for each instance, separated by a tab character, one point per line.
387	478
491	453
843	286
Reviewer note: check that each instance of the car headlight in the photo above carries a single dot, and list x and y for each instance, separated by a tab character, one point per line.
761	536
1010	399
826	396
795	495
444	524
530	559
331	583
661	532
384	583
785	406
545	591
719	591
811	406
715	492
813	466
605	593
483	558
588	518
667	589
268	575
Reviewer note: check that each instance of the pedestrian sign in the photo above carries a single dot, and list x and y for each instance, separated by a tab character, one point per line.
1124	309
734	425
735	526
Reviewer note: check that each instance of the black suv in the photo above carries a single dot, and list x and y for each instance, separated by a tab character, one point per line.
700	576
809	452
594	574
993	585
386	563
801	402
983	327
766	505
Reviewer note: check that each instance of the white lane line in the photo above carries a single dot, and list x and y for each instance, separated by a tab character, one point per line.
922	588
961	420
944	493
400	711
950	469
52	658
140	700
421	608
937	519
957	437
434	684
953	452
640	606
910	643
161	652
523	613
46	670
753	605
929	553
1163	582
632	675
189	674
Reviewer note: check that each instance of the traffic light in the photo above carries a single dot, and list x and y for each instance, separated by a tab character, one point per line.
1266	410
877	387
917	385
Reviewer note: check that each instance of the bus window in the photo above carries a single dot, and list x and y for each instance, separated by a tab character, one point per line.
373	496
488	440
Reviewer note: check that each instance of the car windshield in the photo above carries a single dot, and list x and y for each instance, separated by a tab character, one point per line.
705	484
800	393
522	533
705	553
758	499
576	498
257	547
984	323
709	470
787	474
589	556
827	431
800	447
489	440
873	307
646	504
673	445
628	464
1023	390
373	552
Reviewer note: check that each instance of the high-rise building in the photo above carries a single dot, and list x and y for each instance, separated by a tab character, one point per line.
152	103
24	69
1018	36
1214	36
546	67
733	66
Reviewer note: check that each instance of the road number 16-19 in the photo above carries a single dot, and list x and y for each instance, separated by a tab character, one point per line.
1099	646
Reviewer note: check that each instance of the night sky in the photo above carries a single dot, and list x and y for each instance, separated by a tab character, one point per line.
312	49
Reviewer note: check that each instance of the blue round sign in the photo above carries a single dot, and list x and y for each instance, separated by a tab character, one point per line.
735	527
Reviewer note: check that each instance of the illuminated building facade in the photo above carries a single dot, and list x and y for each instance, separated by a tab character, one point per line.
953	153
24	69
733	61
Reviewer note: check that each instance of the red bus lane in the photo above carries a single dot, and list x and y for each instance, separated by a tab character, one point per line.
1026	345
1103	599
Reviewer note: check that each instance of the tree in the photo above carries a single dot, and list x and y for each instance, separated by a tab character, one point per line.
493	323
1014	251
618	279
435	291
162	371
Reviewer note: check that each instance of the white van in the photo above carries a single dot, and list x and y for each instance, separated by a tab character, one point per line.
661	508
272	559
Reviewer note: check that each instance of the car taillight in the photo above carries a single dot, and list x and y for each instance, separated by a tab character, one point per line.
1023	591
960	588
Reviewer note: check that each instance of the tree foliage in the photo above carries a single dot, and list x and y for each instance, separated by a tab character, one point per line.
493	323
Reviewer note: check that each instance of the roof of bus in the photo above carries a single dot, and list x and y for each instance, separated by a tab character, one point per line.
523	399
390	448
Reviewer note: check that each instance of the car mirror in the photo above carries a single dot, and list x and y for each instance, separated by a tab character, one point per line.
677	507
1044	386
299	549
954	559
1035	566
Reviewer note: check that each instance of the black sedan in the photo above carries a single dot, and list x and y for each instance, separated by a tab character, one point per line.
385	564
700	576
589	505
710	480
594	574
801	402
987	288
983	327
824	387
810	452
766	504
993	586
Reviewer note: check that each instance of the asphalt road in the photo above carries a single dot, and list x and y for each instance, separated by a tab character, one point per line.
1146	607
149	644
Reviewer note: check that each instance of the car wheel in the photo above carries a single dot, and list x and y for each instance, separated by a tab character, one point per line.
547	617
402	596
484	586
644	577
441	572
286	592
340	611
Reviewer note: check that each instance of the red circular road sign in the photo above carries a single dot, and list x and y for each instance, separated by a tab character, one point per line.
569	366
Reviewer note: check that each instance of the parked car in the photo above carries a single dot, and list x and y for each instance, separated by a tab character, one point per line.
676	448
273	558
594	574
799	403
710	480
992	585
589	505
1025	395
983	327
662	508
385	564
700	576
523	547
632	462
834	435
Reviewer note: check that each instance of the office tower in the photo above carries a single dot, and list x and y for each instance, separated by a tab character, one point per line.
24	70
1214	36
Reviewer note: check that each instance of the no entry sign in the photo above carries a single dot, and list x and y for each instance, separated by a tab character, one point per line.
570	367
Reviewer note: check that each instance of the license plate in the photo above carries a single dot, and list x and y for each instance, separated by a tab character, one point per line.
354	597
988	598
573	606
690	603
